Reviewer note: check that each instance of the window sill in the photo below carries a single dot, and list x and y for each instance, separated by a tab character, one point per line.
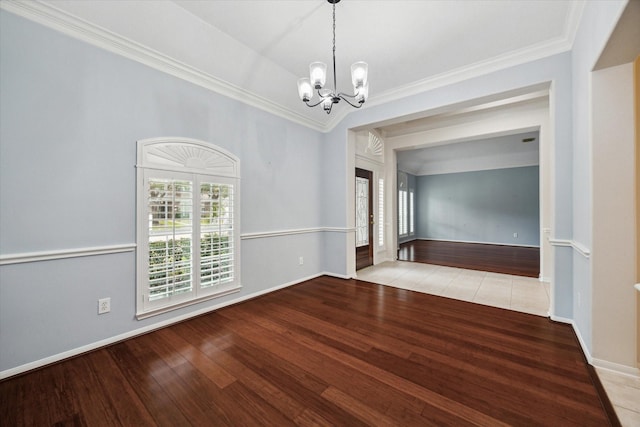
165	309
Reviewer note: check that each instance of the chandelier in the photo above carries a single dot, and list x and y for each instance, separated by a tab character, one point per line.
318	77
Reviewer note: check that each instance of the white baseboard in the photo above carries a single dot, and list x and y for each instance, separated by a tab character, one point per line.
480	243
585	349
133	333
561	319
339	276
617	368
599	363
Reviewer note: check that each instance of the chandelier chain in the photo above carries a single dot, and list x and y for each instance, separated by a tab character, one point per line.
335	86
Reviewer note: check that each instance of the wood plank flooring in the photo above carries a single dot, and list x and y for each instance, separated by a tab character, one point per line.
516	260
324	352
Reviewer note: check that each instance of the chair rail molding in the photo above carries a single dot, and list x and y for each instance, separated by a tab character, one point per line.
290	232
25	257
578	247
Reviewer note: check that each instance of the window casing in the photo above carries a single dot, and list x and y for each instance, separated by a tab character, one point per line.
188	224
410	212
402	213
381	212
403	220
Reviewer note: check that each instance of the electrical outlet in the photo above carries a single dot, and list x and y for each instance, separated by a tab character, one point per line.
104	305
300	260
515	235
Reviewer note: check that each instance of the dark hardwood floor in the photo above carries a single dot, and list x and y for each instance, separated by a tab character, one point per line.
324	352
516	260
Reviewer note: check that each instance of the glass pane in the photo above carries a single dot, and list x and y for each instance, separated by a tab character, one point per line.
381	212
216	234
362	211
411	208
402	212
170	207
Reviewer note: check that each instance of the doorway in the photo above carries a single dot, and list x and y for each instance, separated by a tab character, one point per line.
364	218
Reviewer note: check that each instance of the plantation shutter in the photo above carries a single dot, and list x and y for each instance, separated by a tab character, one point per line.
216	234
187	228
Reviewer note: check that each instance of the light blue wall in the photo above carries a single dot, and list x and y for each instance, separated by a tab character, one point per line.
70	116
481	206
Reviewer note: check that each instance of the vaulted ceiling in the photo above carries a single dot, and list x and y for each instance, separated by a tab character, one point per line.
255	50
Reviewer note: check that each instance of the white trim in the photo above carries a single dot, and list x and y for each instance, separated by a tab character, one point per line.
585	350
339	276
117	338
561	319
65	253
211	159
71	25
580	248
617	368
545	49
599	363
293	231
20	258
165	309
365	159
480	243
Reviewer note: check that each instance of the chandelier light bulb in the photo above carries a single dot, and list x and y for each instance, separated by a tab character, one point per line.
359	71
362	93
305	90
327	103
318	73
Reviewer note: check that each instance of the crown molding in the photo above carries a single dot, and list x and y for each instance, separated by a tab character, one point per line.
558	45
78	28
71	25
477	69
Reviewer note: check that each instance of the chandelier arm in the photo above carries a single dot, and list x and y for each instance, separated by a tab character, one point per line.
342	96
314	105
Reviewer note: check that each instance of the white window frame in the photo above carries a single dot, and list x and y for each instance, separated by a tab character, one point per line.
380	213
410	213
195	161
403	184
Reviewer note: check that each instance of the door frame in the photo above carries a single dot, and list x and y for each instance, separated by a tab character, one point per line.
366	174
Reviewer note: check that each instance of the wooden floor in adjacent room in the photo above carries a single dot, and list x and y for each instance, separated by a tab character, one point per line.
324	352
516	260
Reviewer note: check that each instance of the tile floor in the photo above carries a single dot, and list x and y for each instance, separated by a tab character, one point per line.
524	294
624	394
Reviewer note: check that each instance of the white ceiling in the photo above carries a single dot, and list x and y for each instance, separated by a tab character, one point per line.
257	49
